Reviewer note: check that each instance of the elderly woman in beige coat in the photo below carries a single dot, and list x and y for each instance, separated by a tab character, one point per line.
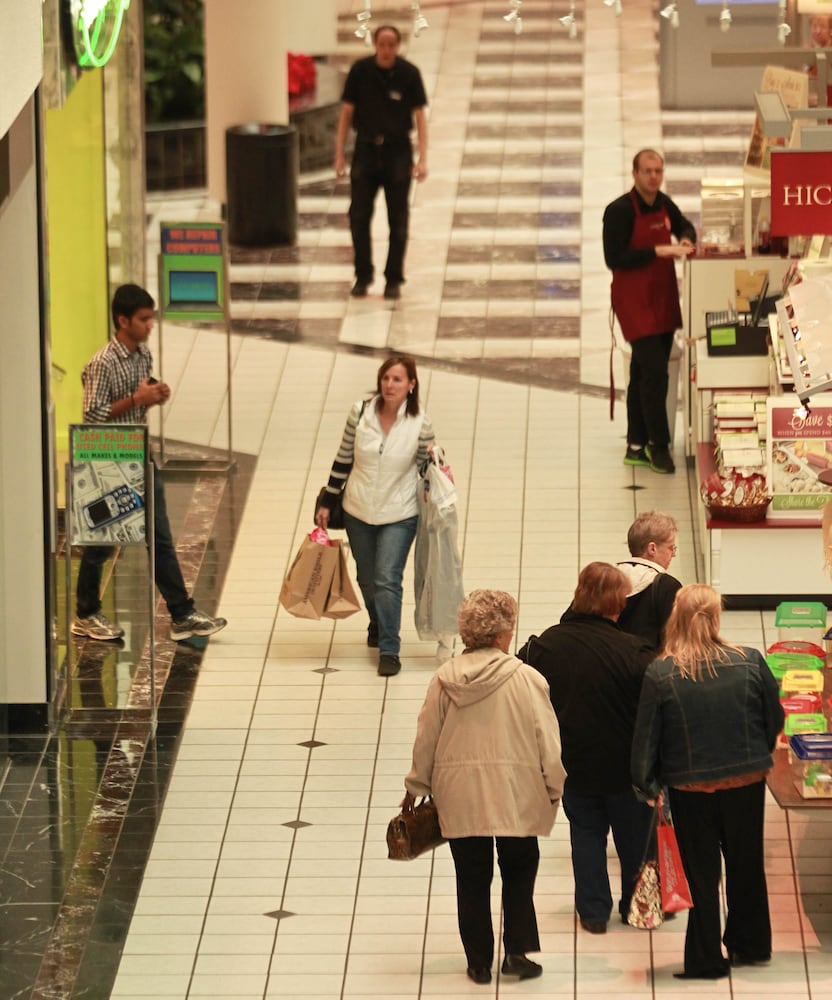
488	749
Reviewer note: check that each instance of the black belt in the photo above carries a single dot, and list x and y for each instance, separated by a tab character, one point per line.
382	140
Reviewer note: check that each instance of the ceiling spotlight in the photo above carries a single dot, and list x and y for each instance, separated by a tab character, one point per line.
514	14
363	30
783	29
615	4
725	18
569	22
420	22
671	13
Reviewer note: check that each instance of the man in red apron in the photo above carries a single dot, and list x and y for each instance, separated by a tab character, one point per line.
638	250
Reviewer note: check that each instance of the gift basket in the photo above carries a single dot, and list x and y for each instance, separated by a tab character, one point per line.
736	497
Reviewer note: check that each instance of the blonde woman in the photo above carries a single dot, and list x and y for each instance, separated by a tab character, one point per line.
708	718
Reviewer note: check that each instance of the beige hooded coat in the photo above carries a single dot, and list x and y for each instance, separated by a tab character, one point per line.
488	748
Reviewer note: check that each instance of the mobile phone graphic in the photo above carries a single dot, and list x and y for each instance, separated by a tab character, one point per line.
112	507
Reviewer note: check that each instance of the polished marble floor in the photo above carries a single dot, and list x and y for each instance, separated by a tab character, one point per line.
241	854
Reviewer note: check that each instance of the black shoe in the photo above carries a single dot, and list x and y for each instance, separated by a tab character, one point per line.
481	976
660	460
720	972
595	926
636	456
372	635
522	967
388	665
392	290
359	290
738	958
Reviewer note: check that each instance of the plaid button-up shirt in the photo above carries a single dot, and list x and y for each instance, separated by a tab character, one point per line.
114	373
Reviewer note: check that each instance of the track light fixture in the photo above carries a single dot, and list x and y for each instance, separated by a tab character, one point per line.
513	16
364	31
420	22
671	13
569	22
783	29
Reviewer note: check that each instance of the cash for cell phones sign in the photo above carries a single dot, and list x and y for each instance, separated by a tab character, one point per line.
107	483
800	448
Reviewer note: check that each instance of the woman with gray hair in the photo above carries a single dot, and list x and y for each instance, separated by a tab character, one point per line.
487	749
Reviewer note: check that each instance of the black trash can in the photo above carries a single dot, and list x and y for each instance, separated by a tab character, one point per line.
262	164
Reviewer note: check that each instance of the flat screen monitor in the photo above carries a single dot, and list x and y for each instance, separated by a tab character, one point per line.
187	288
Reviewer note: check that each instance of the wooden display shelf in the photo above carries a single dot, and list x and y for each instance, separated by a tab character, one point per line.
782	786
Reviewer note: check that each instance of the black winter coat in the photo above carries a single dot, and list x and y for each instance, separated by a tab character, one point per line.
594	670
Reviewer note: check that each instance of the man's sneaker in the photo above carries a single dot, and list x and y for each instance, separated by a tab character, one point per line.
660	460
392	290
359	290
97	626
636	456
196	623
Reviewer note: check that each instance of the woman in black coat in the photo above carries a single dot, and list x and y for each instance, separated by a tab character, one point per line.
594	670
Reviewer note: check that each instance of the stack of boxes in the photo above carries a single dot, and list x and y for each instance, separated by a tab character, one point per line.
740	433
797	660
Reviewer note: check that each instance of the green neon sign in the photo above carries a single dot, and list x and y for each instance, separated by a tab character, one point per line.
96	25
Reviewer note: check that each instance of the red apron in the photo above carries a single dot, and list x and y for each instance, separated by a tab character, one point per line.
646	299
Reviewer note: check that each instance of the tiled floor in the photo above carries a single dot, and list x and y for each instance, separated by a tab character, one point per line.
267	876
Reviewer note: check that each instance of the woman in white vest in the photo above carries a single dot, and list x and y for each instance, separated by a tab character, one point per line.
385	441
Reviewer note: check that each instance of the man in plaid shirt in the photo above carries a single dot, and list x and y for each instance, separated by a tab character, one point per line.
119	388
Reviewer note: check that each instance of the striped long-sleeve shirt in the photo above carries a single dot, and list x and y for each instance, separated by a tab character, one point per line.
377	465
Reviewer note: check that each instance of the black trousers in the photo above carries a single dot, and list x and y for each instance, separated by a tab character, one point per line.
169	578
647	391
730	822
518	858
373	167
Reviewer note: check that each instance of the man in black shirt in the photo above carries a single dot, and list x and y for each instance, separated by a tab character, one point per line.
383	96
638	250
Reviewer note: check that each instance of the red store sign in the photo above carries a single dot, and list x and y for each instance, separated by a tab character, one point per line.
801	193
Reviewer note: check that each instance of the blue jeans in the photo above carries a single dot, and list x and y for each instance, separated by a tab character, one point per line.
380	552
590	819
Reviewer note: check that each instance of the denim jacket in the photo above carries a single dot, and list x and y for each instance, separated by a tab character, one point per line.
718	727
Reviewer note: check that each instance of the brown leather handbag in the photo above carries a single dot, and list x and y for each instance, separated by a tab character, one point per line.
414	831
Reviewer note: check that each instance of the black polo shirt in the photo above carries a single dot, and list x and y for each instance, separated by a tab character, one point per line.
384	99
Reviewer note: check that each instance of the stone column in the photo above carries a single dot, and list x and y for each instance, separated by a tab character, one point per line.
246	44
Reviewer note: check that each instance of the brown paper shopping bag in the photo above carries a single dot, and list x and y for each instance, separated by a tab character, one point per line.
342	601
306	588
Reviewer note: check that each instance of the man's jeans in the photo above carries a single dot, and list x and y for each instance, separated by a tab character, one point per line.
380	552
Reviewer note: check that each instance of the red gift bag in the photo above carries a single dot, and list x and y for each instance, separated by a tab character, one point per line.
674	885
